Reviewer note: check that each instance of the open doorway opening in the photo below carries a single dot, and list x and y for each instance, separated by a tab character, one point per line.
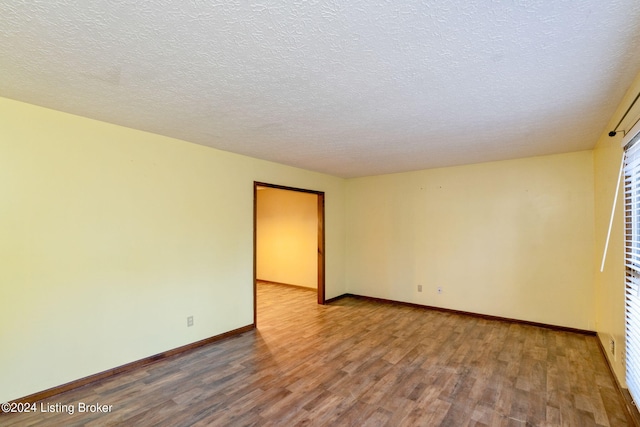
288	238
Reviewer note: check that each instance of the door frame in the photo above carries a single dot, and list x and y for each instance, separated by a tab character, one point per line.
321	240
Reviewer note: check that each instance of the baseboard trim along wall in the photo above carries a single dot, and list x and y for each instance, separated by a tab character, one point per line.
130	366
466	313
631	411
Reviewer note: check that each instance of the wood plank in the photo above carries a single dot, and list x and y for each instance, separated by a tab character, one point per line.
360	362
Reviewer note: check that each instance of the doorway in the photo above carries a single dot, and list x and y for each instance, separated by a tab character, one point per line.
320	257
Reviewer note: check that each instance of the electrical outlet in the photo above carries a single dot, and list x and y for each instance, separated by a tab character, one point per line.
439	290
189	321
612	347
419	288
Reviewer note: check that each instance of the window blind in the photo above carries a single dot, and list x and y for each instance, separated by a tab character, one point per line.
632	265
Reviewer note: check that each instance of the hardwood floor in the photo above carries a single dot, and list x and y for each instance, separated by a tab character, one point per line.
360	363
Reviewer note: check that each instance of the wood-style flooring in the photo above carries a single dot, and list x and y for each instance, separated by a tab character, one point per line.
360	363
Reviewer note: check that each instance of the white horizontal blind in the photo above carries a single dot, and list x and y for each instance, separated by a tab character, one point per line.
632	266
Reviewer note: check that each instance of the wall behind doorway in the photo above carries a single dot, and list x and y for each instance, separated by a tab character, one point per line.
287	237
117	235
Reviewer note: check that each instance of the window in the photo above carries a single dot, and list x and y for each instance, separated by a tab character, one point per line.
632	265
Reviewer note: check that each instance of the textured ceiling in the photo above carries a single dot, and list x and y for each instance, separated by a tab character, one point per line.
347	88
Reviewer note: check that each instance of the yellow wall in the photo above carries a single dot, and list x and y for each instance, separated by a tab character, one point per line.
111	237
512	238
609	283
287	237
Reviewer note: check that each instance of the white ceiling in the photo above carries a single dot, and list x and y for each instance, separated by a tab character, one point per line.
352	88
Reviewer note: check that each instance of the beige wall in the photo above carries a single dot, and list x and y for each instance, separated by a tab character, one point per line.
609	283
287	237
111	237
512	238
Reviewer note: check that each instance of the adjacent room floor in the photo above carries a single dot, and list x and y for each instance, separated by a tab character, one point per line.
360	363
